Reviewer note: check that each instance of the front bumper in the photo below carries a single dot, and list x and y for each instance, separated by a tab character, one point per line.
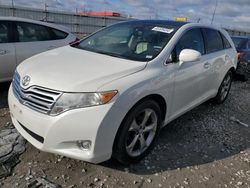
60	134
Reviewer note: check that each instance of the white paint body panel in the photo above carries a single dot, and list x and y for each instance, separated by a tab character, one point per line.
67	69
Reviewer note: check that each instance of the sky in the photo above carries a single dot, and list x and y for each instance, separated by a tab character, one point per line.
232	14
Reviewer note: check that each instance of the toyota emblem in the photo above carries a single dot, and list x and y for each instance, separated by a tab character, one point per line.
26	80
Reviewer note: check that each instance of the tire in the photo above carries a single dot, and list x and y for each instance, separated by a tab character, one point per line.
224	88
128	146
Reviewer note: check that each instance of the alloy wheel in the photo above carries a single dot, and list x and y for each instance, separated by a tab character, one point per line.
142	132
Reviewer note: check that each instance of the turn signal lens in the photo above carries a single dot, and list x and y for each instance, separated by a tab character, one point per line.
105	97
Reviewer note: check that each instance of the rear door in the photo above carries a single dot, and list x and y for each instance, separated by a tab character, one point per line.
33	39
216	56
7	52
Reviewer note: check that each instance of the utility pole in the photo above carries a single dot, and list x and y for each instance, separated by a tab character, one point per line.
13	7
214	11
45	10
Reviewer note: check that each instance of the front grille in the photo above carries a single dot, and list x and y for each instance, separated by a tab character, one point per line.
34	97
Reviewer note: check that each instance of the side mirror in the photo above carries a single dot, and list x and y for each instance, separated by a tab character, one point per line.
189	55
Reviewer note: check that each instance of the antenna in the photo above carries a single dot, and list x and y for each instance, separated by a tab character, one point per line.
214	12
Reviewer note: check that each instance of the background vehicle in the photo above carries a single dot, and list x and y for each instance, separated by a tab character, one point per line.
125	83
23	38
242	45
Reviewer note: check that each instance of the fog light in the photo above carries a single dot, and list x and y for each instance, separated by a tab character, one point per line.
84	144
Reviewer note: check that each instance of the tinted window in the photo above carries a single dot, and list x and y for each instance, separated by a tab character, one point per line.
213	40
192	39
28	32
57	34
225	42
3	32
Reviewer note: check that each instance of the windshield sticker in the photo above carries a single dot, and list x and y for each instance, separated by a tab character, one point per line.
149	56
163	30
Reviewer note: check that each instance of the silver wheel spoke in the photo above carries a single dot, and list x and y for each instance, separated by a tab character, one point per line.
131	146
142	143
134	126
150	127
146	117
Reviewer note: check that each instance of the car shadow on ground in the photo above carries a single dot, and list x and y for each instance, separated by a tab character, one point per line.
201	136
4	94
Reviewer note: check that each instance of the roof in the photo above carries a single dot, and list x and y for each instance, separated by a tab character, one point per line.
159	22
56	26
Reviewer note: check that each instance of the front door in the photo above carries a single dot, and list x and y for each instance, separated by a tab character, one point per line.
190	76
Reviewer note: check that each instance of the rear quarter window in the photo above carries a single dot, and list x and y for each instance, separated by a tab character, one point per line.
226	43
213	40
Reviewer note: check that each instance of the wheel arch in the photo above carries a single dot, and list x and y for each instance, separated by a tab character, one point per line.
159	99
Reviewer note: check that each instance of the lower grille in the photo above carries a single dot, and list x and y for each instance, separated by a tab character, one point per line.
34	97
34	135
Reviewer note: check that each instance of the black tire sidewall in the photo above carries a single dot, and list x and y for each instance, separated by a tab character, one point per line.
119	149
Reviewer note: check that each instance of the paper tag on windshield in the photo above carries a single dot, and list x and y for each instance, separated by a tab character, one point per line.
163	30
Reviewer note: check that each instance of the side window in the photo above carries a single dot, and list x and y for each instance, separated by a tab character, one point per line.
4	32
225	42
57	34
29	32
192	39
213	40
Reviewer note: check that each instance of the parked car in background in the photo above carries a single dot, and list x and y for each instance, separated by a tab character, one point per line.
242	45
111	93
22	38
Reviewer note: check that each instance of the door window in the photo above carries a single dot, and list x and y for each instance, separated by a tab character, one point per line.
28	32
192	39
3	32
57	34
213	40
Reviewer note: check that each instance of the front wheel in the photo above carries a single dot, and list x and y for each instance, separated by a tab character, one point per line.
224	88
138	131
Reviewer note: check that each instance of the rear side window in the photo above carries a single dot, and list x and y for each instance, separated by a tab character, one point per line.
192	39
213	40
57	34
4	32
225	42
28	32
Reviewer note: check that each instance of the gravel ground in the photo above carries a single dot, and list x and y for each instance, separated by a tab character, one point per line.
207	147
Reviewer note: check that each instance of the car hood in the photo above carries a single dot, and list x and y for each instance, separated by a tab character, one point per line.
74	70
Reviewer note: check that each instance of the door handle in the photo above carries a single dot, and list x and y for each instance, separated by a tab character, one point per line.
3	52
207	65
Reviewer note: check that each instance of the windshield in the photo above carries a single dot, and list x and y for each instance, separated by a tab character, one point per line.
240	43
130	40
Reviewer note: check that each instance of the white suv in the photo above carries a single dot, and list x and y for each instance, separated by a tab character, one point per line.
110	94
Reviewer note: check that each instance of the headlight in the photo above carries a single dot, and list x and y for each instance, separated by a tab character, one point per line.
70	101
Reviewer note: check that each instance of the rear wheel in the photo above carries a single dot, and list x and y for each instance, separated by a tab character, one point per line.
224	88
138	132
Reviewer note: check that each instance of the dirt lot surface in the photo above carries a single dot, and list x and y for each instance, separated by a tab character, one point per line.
206	147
